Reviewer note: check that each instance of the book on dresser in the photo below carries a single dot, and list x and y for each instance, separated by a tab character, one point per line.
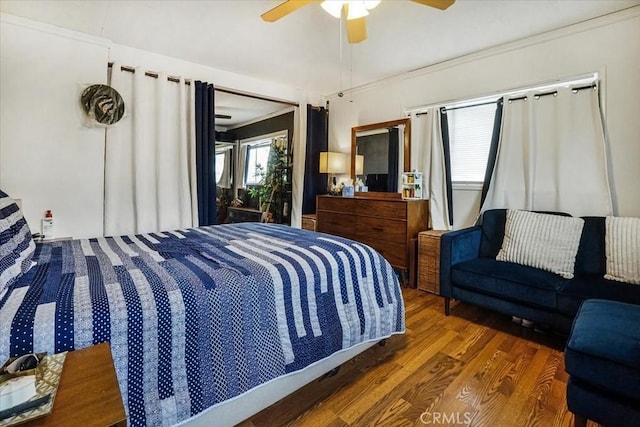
388	224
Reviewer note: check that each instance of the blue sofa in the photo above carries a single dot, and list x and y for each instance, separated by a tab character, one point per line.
469	272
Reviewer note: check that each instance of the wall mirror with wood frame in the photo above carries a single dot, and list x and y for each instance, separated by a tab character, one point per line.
380	152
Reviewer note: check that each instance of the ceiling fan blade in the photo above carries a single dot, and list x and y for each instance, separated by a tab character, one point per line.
356	30
283	9
223	116
438	4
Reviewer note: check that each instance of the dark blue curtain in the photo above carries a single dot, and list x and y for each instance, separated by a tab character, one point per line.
444	125
317	141
493	150
394	153
205	153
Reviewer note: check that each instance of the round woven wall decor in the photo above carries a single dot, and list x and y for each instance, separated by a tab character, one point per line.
103	104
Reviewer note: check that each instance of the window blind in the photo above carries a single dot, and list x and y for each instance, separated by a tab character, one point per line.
470	131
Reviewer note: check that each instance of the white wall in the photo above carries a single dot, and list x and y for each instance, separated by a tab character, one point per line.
609	45
48	158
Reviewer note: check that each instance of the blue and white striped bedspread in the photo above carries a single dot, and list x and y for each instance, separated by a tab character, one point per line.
198	316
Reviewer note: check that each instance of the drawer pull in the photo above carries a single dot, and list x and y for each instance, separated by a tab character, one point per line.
377	228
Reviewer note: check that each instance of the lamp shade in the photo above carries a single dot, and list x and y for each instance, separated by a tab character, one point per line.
331	162
359	164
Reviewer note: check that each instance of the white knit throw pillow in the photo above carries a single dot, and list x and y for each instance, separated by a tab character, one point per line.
548	242
622	248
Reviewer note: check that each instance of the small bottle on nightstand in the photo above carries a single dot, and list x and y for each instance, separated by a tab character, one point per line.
47	225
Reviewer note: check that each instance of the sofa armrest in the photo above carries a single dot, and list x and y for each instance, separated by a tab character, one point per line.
456	247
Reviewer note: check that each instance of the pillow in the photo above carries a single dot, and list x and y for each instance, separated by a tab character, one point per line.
622	249
548	242
16	244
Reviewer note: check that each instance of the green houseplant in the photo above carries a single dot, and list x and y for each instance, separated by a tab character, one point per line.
271	179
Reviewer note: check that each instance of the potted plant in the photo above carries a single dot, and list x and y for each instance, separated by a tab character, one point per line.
271	179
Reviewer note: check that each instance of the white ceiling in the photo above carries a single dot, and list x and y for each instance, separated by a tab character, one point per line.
304	48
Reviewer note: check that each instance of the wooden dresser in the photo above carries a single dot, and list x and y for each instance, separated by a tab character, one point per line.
387	225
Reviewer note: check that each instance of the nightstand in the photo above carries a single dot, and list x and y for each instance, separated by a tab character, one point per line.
429	260
309	222
88	393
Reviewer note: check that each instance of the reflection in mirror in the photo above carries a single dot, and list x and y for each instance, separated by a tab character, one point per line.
243	116
379	154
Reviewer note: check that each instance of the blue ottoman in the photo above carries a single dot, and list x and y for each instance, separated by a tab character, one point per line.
602	358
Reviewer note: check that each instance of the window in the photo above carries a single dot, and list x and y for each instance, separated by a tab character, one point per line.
470	131
471	128
257	159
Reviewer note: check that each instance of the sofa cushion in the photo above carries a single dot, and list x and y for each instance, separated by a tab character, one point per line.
622	247
574	291
493	221
591	260
604	347
514	282
549	242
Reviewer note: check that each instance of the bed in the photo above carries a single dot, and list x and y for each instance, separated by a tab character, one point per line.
209	323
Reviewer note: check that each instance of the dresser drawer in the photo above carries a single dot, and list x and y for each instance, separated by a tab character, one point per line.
337	204
395	253
388	230
382	208
335	223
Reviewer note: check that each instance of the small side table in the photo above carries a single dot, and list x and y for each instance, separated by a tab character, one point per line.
88	393
53	239
309	222
429	260
235	215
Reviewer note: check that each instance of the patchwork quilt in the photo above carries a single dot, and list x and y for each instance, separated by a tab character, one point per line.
198	316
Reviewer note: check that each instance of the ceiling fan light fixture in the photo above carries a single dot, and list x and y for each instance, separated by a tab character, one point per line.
333	7
356	10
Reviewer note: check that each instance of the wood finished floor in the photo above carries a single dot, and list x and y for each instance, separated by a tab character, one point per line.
473	368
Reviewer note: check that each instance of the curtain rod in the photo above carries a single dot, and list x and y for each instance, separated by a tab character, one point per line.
263	98
232	92
149	74
554	93
586	79
444	109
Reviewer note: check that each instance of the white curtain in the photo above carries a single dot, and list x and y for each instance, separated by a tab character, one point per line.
225	176
427	156
149	167
299	153
241	166
551	156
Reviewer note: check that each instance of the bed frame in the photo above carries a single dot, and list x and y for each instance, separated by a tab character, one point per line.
235	410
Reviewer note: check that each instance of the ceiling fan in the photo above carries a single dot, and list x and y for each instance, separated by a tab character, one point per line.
355	12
